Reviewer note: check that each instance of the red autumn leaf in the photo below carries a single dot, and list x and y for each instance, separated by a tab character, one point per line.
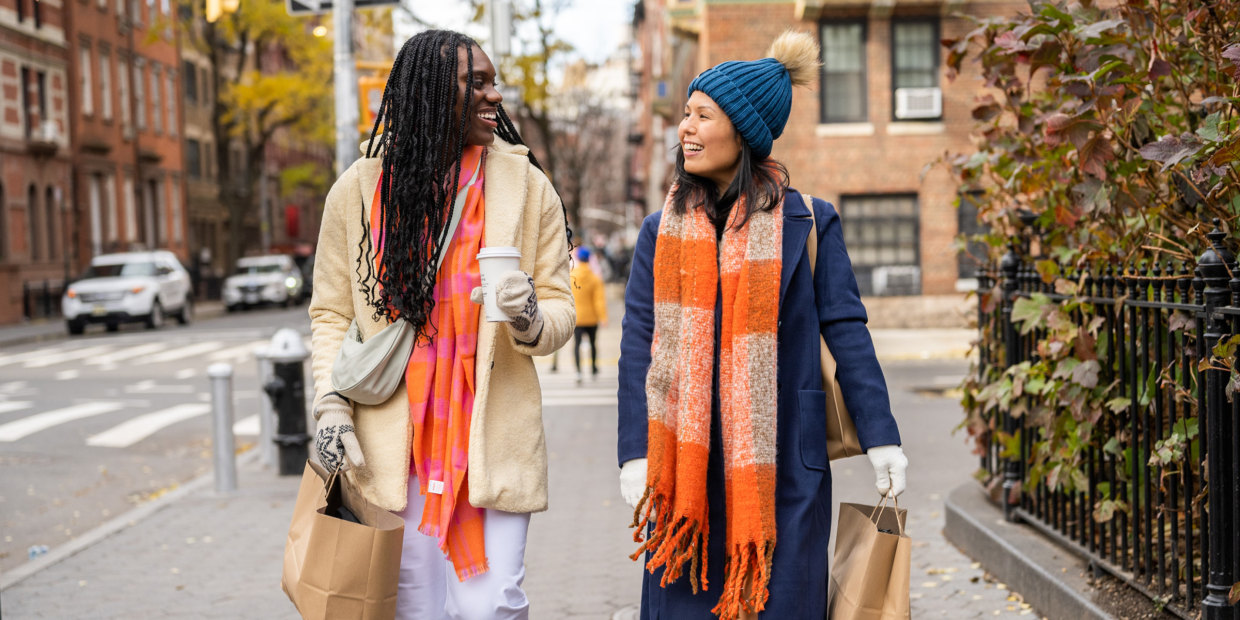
1170	150
1232	53
1095	155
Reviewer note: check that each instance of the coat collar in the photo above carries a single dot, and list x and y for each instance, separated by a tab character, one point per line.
797	225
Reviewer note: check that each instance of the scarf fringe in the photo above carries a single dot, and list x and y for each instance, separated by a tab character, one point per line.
673	543
472	571
744	587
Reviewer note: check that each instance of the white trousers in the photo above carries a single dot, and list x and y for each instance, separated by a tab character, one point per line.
429	589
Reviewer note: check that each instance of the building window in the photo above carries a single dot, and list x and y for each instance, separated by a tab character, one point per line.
843	72
38	14
21	11
32	215
882	236
105	85
122	84
49	222
95	196
27	112
157	104
177	209
139	93
975	253
189	75
170	102
915	65
193	159
88	94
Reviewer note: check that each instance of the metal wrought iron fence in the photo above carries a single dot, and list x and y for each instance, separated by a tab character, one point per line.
1176	535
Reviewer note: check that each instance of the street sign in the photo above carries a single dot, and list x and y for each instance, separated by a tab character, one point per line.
319	7
303	7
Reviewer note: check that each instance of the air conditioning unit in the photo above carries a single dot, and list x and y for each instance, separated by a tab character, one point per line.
896	280
914	103
48	132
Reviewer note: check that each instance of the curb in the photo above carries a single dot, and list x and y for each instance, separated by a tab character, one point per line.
1049	577
119	523
54	329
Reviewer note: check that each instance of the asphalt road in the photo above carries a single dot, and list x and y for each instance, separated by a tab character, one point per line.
93	425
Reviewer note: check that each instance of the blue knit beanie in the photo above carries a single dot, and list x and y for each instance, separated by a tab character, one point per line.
757	94
583	253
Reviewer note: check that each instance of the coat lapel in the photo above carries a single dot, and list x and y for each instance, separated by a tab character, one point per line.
797	225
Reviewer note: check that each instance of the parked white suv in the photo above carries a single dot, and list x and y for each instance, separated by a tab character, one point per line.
130	286
271	279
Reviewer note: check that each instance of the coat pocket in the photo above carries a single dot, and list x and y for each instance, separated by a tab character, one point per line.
813	405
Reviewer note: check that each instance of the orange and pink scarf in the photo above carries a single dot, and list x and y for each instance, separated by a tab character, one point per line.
690	263
440	383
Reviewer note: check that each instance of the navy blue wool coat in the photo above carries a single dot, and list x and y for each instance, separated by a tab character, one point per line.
825	302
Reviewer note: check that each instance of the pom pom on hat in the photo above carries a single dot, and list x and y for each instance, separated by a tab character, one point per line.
757	94
798	52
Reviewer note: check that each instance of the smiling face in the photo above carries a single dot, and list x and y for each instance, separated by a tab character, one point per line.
482	96
710	144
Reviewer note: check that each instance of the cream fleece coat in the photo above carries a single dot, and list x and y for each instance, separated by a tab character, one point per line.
507	449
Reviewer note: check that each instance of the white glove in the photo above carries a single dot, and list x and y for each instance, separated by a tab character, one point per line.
633	481
333	434
515	296
889	464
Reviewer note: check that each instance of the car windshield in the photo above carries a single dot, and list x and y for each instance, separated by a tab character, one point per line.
253	270
120	270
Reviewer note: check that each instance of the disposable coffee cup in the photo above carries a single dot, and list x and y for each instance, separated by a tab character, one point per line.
494	263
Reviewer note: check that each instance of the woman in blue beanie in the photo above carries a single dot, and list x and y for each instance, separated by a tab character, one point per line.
722	429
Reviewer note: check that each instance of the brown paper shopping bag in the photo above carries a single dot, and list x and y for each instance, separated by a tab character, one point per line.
335	568
873	559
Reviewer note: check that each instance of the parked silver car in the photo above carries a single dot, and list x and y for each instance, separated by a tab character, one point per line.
270	279
129	287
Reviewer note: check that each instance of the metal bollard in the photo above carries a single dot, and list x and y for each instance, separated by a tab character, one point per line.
266	415
224	446
287	390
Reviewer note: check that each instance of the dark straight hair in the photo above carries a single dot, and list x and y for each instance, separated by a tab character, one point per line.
762	184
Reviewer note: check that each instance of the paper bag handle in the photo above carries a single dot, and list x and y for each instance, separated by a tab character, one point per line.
883	506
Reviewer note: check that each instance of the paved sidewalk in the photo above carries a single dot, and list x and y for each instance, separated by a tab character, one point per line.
196	554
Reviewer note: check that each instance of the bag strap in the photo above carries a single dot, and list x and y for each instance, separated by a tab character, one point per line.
457	207
812	243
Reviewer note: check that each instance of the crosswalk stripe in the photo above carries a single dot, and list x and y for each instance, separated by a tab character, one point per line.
20	428
572	391
243	352
246	426
67	356
587	401
176	354
135	430
7	406
129	353
29	355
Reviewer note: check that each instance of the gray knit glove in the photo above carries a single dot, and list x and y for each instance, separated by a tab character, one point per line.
515	296
333	434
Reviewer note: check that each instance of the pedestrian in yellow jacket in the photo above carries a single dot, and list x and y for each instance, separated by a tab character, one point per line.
591	309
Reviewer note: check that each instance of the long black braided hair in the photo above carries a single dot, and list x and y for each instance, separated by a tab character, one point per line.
421	146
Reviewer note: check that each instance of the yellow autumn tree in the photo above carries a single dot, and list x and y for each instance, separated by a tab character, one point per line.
272	77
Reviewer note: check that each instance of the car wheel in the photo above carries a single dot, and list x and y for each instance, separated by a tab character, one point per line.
113	327
155	319
75	327
187	311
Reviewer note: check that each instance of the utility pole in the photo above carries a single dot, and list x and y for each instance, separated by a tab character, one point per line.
345	78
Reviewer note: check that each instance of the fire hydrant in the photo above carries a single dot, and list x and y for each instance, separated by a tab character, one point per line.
287	390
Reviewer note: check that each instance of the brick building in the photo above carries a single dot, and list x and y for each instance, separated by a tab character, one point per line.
129	185
34	157
862	137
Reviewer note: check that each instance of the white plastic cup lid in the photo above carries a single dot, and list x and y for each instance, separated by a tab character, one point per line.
501	252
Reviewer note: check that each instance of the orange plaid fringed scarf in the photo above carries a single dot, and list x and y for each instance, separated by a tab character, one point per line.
688	265
440	383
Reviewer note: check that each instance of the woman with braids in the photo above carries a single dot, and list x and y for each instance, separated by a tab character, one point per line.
722	438
458	450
